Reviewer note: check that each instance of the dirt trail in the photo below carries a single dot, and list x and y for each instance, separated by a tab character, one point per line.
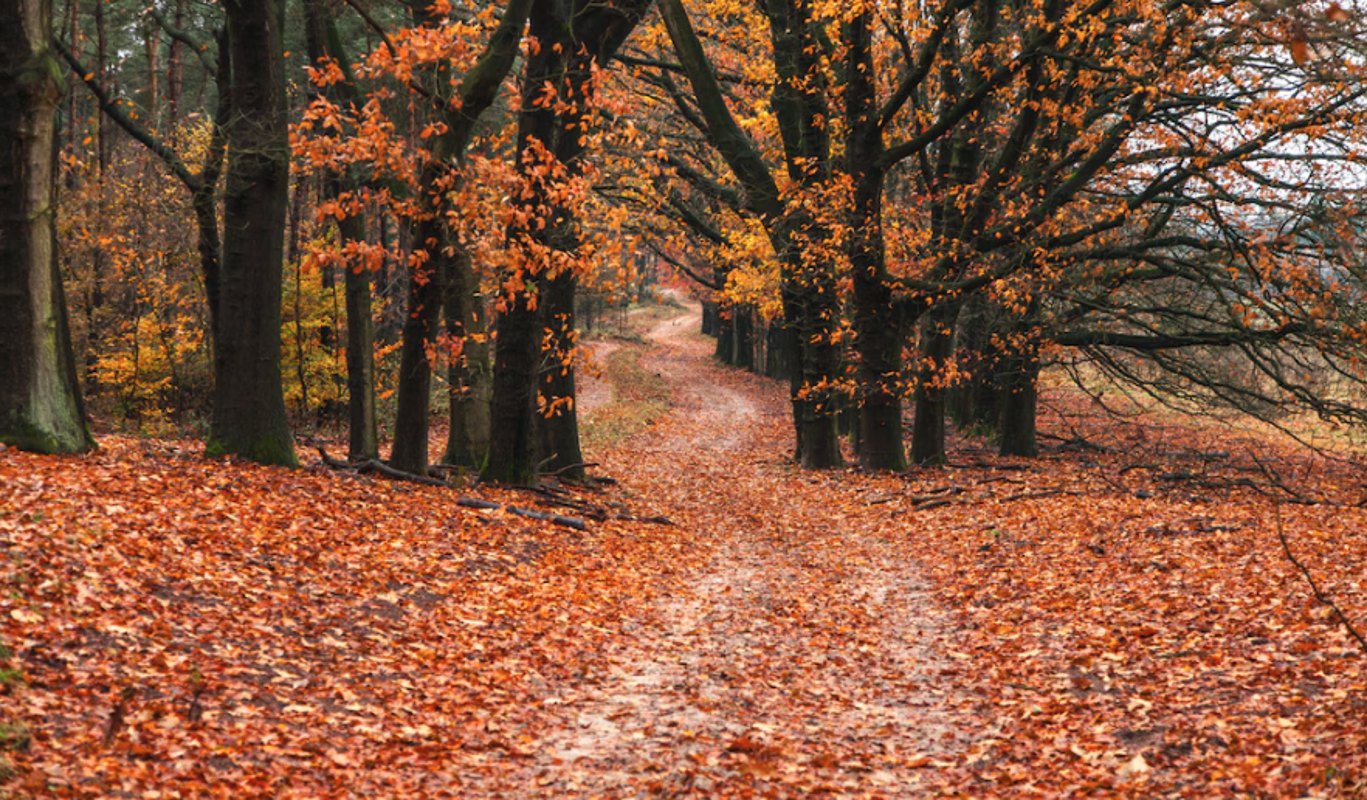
799	658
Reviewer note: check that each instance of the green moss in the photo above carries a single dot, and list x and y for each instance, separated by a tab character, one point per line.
27	436
273	450
266	449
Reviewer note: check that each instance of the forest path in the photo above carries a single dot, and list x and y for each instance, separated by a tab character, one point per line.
797	656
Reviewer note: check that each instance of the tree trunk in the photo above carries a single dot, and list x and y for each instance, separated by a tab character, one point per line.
1019	380
937	347
249	403
558	424
974	402
435	242
41	407
878	338
742	337
573	37
517	348
426	288
467	442
363	441
775	363
324	42
725	329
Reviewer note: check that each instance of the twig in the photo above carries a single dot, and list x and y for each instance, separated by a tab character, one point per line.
558	519
933	504
557	473
1343	618
375	465
1031	495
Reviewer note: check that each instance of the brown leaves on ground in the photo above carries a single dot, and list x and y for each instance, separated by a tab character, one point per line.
1099	622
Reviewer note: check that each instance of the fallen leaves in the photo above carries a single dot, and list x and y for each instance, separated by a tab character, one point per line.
1083	624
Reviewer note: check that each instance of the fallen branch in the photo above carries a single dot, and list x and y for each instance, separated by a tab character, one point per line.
1038	493
1321	596
933	504
584	465
490	505
375	465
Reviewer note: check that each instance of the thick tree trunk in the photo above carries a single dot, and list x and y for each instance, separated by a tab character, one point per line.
363	441
742	337
517	347
467	442
40	400
426	289
558	424
974	402
776	364
725	330
878	337
1019	380
249	403
937	347
478	90
573	36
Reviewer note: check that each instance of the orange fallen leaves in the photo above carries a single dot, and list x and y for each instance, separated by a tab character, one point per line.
1115	622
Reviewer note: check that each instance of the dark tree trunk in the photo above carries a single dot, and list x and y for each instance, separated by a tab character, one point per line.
363	441
799	102
324	42
776	365
974	402
434	241
742	337
426	289
725	331
937	347
249	404
1019	381
878	337
40	398
467	442
558	424
517	347
709	318
573	35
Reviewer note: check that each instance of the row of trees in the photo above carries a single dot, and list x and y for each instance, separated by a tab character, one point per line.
921	202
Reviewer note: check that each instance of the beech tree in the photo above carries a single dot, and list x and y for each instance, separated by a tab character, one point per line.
536	303
249	403
41	406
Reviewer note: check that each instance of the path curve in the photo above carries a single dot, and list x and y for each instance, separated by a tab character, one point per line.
800	658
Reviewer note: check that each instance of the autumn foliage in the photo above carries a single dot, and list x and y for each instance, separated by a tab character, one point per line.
1117	618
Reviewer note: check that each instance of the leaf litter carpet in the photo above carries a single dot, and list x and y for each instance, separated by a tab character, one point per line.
1112	620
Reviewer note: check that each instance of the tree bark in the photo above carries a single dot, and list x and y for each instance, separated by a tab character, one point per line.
249	404
517	348
434	243
974	403
936	348
573	36
41	408
469	378
878	339
324	42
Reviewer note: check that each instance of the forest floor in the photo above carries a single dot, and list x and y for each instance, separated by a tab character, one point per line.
1116	618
